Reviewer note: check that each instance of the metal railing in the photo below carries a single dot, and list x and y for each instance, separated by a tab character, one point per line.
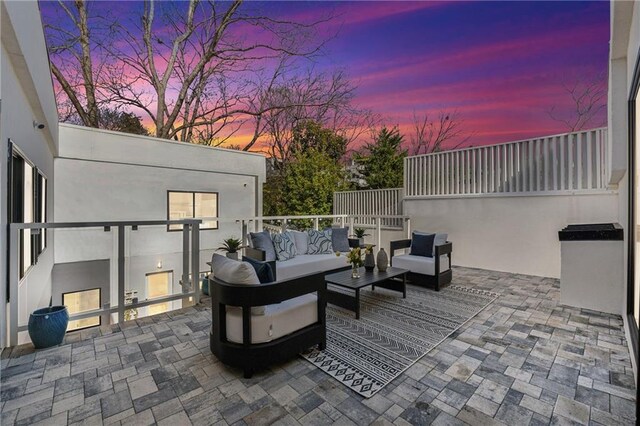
570	162
190	269
376	223
364	205
189	251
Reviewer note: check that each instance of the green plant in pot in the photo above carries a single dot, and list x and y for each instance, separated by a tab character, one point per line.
360	233
231	246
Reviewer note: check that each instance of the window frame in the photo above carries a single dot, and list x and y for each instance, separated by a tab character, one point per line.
193	206
16	207
632	268
146	289
99	305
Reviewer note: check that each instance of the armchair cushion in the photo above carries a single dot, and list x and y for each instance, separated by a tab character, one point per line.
320	242
439	240
262	241
263	269
420	264
284	246
422	244
235	272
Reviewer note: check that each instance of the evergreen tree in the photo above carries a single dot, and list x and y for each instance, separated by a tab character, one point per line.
381	163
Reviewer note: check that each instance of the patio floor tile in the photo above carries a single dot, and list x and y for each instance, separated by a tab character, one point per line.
524	359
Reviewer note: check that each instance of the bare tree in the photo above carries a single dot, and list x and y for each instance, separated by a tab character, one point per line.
588	98
431	135
189	67
78	90
324	98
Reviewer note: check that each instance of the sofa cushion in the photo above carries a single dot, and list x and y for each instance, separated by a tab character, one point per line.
422	244
235	272
420	264
263	269
262	241
308	264
301	240
340	239
278	321
320	242
284	246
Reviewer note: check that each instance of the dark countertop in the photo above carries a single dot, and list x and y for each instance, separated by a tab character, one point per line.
592	232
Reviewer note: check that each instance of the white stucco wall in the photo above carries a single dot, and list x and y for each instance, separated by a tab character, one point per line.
111	176
27	95
624	49
516	234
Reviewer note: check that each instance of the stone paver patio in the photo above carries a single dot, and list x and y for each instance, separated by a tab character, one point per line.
523	360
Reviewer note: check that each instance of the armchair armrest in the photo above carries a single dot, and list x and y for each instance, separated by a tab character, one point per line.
445	248
398	245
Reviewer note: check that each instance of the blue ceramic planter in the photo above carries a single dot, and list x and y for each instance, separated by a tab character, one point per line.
47	326
205	286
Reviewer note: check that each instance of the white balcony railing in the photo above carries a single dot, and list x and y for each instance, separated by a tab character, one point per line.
561	163
362	205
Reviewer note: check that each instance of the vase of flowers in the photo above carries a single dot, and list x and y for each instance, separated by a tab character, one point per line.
369	260
355	259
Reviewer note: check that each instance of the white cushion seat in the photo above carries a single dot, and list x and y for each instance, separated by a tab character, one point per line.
307	264
278	320
420	264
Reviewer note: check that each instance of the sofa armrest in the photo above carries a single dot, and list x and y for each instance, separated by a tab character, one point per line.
247	296
398	245
256	254
354	242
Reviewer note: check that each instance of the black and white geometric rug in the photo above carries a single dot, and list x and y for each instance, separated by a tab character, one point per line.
392	333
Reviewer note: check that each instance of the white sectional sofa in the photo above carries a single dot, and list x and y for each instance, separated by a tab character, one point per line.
303	263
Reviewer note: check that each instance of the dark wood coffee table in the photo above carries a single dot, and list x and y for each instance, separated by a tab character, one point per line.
392	279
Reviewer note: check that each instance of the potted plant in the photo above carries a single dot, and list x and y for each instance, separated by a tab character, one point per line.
360	233
47	326
231	246
355	259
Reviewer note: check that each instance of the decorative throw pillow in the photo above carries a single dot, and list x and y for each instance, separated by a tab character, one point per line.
320	242
284	246
262	241
301	240
438	240
422	244
340	239
234	272
263	269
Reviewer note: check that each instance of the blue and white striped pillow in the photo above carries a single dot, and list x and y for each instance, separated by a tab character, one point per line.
320	242
284	246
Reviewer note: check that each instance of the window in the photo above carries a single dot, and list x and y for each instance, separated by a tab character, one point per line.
82	301
159	285
188	205
28	204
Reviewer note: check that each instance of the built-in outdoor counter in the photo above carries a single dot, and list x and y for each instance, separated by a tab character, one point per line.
592	266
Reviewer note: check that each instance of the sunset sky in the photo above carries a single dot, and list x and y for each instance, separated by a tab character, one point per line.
501	65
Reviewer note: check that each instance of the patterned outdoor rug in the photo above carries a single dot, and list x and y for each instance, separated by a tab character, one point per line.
392	333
